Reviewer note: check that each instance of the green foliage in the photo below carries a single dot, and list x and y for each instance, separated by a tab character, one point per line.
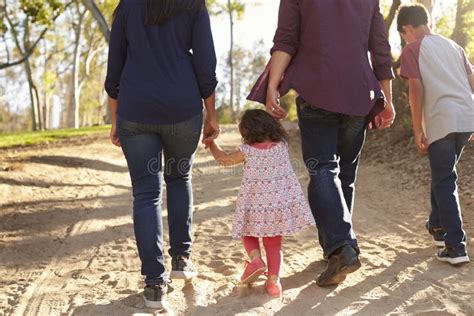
224	115
249	105
41	12
3	27
218	7
288	102
445	24
8	140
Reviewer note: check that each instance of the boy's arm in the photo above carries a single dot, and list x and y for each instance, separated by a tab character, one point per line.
223	158
416	94
471	82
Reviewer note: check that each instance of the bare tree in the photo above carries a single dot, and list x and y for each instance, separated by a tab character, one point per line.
33	91
74	102
391	14
27	52
429	4
230	11
460	34
99	17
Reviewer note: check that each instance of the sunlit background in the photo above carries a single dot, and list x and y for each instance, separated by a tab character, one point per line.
53	59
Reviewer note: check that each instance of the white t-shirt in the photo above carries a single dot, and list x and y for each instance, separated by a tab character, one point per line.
443	68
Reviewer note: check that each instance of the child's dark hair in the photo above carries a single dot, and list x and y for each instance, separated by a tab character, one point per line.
414	15
257	126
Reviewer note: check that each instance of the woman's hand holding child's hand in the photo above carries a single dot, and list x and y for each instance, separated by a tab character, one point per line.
211	130
273	104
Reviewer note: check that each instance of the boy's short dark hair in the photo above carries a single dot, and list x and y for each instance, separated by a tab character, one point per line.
414	15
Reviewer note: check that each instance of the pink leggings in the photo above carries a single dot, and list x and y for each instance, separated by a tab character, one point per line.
272	249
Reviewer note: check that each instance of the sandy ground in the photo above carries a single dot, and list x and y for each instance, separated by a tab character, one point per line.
67	244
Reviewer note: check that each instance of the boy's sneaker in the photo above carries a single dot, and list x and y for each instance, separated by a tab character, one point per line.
155	295
182	268
437	233
452	255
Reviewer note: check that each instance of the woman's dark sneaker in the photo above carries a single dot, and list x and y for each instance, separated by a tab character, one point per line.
437	233
182	268
453	255
155	295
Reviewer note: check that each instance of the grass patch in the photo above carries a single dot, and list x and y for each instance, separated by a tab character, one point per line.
8	140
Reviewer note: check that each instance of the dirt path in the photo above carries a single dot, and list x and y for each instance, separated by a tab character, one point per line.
67	245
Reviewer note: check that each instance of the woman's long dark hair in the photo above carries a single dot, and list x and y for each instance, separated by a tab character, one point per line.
158	12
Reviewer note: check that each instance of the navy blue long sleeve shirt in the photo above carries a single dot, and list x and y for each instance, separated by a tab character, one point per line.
160	74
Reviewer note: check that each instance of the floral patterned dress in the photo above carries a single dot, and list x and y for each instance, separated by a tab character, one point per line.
270	201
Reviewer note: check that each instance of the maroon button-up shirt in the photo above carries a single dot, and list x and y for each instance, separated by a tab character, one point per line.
340	53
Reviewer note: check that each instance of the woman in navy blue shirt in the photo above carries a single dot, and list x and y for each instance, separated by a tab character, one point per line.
161	67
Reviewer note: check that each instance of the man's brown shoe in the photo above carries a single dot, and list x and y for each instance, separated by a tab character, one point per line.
341	263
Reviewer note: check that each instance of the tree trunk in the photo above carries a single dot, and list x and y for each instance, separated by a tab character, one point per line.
34	102
33	89
231	59
99	17
429	4
391	14
459	34
75	93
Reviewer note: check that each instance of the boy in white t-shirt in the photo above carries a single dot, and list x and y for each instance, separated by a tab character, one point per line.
441	87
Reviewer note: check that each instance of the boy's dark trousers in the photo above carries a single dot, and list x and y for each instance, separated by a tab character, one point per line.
444	155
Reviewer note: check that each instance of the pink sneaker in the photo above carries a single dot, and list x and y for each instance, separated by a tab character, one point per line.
253	270
273	288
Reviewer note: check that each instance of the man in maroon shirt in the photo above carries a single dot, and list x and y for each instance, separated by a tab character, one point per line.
321	50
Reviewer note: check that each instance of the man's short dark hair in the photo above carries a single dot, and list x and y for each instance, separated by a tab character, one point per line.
414	15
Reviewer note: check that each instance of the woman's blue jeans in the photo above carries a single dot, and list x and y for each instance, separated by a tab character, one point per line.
153	152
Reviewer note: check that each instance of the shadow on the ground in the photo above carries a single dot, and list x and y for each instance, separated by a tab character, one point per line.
48	184
75	162
50	224
379	293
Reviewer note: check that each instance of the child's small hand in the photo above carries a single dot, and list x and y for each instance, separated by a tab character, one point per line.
209	144
471	139
421	142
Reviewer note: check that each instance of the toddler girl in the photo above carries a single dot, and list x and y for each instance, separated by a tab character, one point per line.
270	203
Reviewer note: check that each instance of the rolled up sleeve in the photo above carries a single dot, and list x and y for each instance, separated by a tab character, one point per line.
117	53
379	47
204	55
409	66
288	31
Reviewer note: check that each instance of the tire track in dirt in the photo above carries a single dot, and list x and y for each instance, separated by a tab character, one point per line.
43	296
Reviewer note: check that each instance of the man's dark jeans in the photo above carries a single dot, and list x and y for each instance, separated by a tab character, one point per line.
444	154
143	146
332	144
